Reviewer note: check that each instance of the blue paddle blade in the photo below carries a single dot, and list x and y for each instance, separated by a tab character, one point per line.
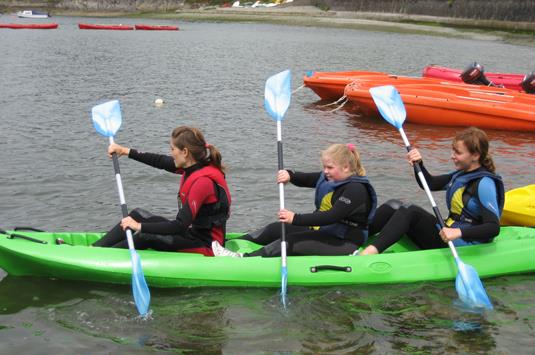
107	118
469	287
284	283
139	285
277	95
390	105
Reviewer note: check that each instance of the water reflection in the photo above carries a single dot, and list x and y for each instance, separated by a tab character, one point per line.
365	319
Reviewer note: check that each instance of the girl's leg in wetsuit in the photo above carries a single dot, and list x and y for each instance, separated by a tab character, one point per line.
308	242
415	222
160	242
383	215
116	237
271	233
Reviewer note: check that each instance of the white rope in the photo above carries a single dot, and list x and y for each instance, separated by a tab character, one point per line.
342	105
336	102
299	88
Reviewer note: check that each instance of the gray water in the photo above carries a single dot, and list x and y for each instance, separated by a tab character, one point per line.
56	176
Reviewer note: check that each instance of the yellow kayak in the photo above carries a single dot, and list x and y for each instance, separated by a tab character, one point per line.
519	208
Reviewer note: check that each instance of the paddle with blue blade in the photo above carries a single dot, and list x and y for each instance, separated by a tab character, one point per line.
468	284
107	121
276	102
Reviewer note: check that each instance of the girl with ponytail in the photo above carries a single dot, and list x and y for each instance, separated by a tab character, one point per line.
203	198
474	195
345	204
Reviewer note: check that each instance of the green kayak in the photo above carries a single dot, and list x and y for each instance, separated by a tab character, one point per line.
512	252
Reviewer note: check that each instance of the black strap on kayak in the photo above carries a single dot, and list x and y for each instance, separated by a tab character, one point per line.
28	229
330	267
16	235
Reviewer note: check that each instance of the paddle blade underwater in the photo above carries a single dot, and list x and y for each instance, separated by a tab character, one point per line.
470	288
277	94
140	289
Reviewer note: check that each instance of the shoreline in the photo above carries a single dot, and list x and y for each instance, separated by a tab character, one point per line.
518	33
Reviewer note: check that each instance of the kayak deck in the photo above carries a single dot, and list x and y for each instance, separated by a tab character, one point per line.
512	252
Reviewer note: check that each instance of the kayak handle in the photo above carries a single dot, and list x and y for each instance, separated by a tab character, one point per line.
330	267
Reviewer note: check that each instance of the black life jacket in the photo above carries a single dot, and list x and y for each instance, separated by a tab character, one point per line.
214	214
324	192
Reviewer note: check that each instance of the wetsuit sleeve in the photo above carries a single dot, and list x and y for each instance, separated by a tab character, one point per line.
303	179
202	192
158	161
435	183
354	196
490	215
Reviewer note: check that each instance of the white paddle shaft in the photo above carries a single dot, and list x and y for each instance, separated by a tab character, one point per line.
281	193
122	200
427	191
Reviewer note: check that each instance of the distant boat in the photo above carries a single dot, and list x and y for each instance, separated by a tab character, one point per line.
34	26
32	14
156	28
91	26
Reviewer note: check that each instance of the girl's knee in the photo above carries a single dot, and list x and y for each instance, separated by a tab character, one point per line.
393	204
140	214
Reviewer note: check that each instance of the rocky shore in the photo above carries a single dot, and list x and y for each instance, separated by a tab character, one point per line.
517	32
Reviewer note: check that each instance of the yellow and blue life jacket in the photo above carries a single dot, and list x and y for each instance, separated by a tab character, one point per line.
467	193
323	202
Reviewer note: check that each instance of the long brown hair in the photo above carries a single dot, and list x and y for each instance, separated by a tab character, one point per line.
477	142
193	139
346	154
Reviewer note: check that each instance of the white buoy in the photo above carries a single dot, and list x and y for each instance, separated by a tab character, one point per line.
158	101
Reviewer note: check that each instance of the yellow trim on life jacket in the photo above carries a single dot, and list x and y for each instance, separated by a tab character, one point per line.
456	204
325	205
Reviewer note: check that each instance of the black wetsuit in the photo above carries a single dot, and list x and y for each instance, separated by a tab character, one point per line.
347	200
394	219
180	234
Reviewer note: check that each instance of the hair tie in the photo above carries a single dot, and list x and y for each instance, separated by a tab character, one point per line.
207	147
351	147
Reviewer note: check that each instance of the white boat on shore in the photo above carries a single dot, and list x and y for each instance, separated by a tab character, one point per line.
32	14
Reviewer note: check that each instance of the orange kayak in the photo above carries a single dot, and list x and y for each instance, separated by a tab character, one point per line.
331	85
434	102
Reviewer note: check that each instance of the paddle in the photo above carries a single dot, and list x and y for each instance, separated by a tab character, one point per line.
276	102
107	120
468	284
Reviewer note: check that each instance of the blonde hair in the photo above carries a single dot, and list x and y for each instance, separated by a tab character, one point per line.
477	142
345	154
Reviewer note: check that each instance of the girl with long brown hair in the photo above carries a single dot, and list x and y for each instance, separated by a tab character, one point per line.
474	195
203	198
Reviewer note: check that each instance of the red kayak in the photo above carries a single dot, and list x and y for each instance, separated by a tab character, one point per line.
156	28
510	81
33	26
91	26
